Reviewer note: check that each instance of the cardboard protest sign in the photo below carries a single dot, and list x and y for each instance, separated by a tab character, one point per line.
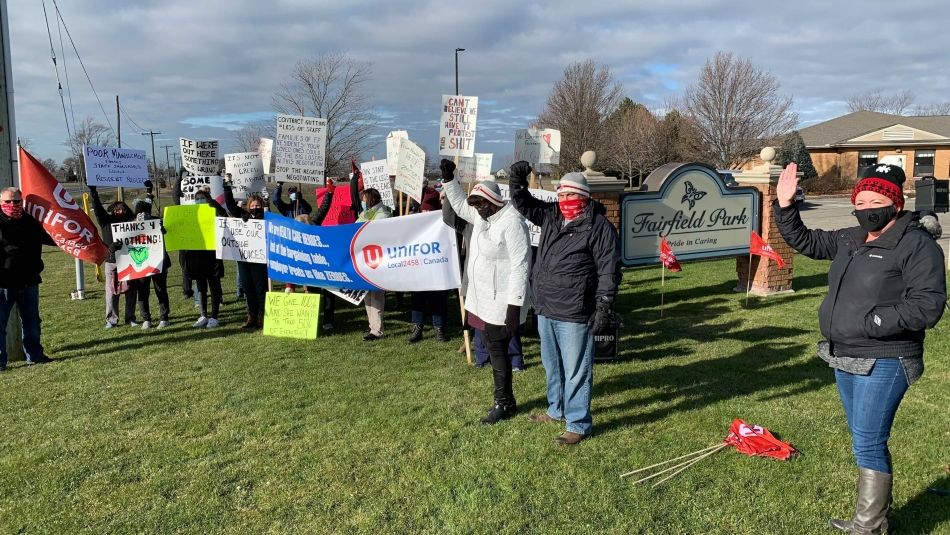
411	172
189	227
392	150
266	149
457	126
475	169
110	166
301	149
376	175
199	157
143	249
538	146
239	240
293	315
540	194
247	173
191	184
353	297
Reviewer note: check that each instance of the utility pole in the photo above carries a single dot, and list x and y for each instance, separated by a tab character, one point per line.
167	172
9	172
158	184
120	194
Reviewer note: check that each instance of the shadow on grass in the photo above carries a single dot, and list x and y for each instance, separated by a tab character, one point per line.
925	511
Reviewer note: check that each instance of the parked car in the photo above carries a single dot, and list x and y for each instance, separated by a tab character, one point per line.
799	195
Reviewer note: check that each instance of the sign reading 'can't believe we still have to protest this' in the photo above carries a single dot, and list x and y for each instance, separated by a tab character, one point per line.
457	126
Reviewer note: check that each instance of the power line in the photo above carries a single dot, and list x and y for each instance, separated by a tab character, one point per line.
59	84
69	91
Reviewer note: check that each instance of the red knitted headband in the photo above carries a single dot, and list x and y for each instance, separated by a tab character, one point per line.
878	185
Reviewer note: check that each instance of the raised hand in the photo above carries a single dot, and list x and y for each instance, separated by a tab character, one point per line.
787	185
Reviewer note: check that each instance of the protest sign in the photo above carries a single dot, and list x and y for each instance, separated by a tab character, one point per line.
392	150
239	240
143	250
189	228
292	315
247	173
475	169
266	149
457	126
412	253
340	211
540	194
538	146
301	149
191	184
354	297
199	157
110	166
411	172
376	175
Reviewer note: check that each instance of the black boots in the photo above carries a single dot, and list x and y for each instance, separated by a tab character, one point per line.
251	323
415	335
505	406
440	334
872	505
499	412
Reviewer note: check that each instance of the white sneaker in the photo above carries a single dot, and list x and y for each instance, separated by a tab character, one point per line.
110	325
133	324
212	323
163	324
288	290
202	321
146	325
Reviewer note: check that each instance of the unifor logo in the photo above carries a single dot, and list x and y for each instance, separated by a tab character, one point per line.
63	198
692	195
373	256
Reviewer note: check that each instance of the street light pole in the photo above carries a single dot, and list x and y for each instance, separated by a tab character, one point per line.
457	50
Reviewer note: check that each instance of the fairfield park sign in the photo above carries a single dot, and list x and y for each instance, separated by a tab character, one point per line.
691	206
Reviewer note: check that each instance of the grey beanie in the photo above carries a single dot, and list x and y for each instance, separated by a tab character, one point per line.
574	183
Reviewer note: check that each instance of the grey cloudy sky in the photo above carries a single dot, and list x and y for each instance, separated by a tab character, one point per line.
202	69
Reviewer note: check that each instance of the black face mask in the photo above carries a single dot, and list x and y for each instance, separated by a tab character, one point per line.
874	219
485	212
257	213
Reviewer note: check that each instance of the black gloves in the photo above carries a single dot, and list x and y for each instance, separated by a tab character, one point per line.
245	215
513	319
601	318
448	170
92	189
148	186
115	246
519	173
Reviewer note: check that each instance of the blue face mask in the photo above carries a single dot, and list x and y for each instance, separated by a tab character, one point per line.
293	196
201	200
363	205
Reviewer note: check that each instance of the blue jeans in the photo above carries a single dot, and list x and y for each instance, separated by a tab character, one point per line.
567	352
481	349
28	300
870	404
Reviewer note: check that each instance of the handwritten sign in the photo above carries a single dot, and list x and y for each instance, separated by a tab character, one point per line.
301	149
266	149
199	157
247	173
191	184
189	227
293	315
457	126
239	240
411	172
143	248
392	150
538	146
376	175
476	168
110	166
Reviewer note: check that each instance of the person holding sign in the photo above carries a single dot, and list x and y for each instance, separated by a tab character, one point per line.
159	281
497	267
117	212
253	274
206	271
297	205
574	283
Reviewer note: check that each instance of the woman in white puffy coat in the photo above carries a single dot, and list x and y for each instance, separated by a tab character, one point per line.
498	262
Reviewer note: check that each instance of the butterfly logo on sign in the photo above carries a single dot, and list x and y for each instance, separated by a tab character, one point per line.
692	195
373	256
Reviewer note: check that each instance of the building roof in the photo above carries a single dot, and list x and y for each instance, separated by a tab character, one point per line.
840	130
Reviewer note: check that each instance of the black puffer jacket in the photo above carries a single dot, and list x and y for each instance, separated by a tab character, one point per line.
21	251
576	264
882	295
106	219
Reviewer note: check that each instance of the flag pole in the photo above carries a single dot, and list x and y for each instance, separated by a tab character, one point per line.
465	332
748	280
662	285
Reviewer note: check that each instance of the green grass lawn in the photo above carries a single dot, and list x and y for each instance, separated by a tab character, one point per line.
218	431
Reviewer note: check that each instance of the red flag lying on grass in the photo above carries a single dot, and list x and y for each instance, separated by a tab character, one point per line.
667	257
49	203
757	441
757	246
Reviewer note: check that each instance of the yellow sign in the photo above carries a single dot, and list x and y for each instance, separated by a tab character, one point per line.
292	315
189	227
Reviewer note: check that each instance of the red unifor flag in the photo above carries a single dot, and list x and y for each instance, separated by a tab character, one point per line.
757	441
49	203
757	246
667	257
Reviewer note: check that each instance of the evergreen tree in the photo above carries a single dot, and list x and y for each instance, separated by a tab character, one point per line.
793	150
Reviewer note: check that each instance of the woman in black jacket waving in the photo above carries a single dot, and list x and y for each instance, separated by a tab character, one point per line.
886	286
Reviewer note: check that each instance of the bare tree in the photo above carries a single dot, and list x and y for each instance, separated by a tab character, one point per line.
88	132
331	86
248	138
736	109
579	106
895	104
933	109
633	139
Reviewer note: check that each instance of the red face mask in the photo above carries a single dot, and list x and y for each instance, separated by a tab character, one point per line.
572	208
13	211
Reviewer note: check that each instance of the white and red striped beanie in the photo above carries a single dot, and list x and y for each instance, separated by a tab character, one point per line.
574	183
488	190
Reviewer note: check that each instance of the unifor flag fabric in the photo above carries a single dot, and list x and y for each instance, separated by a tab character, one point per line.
404	254
757	441
667	257
757	246
49	203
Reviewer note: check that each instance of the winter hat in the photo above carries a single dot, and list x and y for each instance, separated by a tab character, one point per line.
488	190
574	183
886	179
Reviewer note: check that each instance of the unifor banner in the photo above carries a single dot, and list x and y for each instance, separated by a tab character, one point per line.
143	249
406	254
